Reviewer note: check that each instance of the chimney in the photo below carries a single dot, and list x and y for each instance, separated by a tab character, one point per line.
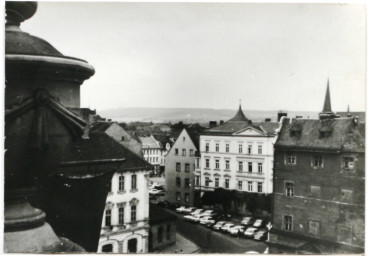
221	122
298	117
356	120
267	120
280	114
213	124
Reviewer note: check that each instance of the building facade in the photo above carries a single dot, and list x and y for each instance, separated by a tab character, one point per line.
319	177
162	229
237	155
179	169
152	152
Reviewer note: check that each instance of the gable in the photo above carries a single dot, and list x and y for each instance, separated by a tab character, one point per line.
180	144
249	131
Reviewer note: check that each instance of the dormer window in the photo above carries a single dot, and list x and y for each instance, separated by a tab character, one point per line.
348	163
295	131
325	132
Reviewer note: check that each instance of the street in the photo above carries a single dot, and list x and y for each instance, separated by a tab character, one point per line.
215	242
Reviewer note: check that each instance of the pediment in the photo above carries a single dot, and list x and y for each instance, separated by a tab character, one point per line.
250	131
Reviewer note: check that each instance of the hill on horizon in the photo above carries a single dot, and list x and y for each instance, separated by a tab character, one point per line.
191	115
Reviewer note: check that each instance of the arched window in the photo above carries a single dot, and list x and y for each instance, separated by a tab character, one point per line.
107	248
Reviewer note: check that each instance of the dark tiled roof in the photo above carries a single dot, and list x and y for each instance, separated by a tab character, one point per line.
163	139
194	136
361	115
231	127
100	126
346	136
239	116
99	147
159	215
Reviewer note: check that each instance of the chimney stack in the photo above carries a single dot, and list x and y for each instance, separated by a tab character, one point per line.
213	124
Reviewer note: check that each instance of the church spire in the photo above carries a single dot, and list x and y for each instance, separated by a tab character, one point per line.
327	104
327	110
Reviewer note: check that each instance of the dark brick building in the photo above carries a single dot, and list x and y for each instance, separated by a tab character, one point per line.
319	175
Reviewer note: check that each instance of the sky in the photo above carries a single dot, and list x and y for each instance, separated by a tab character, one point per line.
210	55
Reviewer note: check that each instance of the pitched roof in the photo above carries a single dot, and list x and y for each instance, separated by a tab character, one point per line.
163	139
345	135
100	126
149	142
359	114
102	148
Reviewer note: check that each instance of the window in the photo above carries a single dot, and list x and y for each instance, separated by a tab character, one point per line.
108	218
250	186
249	149
344	234
227	148
133	213
260	169
176	151
186	183
288	222
217	182
240	185
121	215
184	152
240	148
227	165
290	159
217	164
314	227
183	138
217	147
207	181
315	191
207	146
207	163
325	134
159	234
289	189
178	196
134	181
121	183
168	232
317	161
227	183
178	167
260	187
250	167
348	163
240	166
197	180
107	248
187	167
122	138
191	152
186	198
178	182
346	195
197	160
260	149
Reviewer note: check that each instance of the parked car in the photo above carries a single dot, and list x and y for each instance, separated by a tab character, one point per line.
173	206
189	210
227	226
190	218
247	221
249	233
236	230
196	211
180	209
156	192
259	223
219	225
210	225
207	219
260	235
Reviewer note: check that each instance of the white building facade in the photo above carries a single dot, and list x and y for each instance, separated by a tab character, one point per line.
125	223
152	152
237	155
